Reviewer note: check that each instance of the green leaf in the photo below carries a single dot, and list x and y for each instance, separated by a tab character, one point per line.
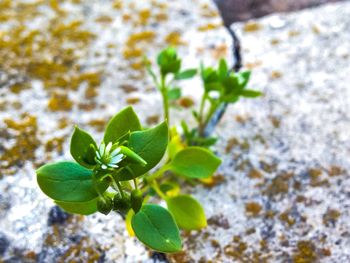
81	208
82	147
166	56
231	84
150	71
195	162
68	182
214	86
244	78
247	93
150	145
174	93
223	69
121	124
168	61
187	211
186	74
156	228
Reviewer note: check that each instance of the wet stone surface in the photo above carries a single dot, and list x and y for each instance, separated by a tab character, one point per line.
283	191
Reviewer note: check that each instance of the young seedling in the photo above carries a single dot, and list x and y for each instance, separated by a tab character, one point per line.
221	87
116	175
169	71
127	168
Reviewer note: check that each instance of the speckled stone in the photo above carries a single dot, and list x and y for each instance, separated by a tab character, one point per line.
286	189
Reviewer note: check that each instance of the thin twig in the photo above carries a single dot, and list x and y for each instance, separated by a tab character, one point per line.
237	64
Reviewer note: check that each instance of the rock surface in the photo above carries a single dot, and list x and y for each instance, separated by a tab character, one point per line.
286	190
242	10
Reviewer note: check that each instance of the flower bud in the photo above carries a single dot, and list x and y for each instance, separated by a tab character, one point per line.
136	199
121	204
104	204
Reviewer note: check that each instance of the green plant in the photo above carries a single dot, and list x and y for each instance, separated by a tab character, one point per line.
221	86
128	169
117	175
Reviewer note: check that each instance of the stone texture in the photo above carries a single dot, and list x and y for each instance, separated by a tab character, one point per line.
241	10
285	194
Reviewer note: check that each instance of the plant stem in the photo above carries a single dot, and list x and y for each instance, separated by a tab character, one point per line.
158	173
164	91
135	183
157	189
201	110
117	185
213	108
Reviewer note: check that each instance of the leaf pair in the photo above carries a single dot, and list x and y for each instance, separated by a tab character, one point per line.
69	182
169	62
230	85
194	162
158	229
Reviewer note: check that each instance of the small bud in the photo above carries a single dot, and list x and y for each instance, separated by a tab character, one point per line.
121	204
104	204
132	156
136	200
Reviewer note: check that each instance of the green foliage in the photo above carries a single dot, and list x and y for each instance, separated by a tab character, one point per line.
150	145
194	162
136	200
186	74
121	125
81	208
82	148
156	228
104	204
68	182
129	160
187	211
121	204
168	61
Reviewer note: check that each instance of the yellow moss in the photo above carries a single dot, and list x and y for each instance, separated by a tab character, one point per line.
274	41
55	144
131	52
213	181
98	124
26	142
63	123
137	66
253	209
252	27
161	17
132	100
335	171
50	54
118	4
331	217
219	51
126	17
60	102
285	217
305	252
255	174
279	184
146	36
209	26
91	92
276	74
18	87
127	88
174	39
104	19
144	16
293	33
185	102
